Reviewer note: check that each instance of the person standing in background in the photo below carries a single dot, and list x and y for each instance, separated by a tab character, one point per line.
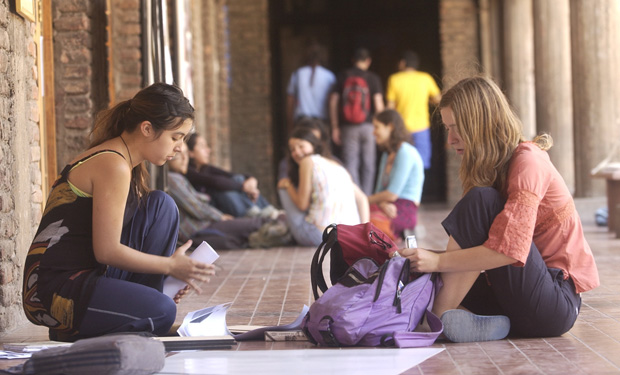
358	95
409	92
309	87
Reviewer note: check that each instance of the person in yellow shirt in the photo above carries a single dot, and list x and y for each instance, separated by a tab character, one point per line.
409	92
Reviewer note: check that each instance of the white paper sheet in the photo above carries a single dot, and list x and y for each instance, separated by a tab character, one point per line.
204	253
210	321
356	361
13	355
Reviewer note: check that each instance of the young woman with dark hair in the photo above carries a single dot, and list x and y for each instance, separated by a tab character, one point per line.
97	263
318	191
398	190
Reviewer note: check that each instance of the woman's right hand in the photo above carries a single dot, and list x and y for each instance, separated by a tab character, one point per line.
189	270
250	187
389	209
284	183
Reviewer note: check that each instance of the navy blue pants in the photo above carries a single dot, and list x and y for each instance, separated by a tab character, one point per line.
536	298
123	301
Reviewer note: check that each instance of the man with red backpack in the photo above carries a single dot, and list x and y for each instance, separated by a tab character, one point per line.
357	96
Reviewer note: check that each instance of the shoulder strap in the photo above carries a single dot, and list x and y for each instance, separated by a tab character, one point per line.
316	267
96	153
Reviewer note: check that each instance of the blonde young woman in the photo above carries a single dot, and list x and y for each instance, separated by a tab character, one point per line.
106	242
516	222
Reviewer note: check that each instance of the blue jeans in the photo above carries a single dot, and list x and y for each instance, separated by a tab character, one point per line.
304	233
359	154
422	141
234	202
124	301
536	298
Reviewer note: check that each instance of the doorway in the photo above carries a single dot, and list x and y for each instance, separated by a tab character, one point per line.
386	28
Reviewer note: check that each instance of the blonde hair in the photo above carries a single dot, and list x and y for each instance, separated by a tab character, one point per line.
489	129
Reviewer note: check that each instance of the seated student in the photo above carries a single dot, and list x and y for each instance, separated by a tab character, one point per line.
394	205
318	191
516	222
199	220
89	272
234	194
319	128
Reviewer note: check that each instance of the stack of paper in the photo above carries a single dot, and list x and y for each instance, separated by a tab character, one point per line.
204	253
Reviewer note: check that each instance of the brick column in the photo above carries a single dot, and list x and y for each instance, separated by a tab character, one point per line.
251	119
126	49
458	25
554	98
596	87
80	73
519	62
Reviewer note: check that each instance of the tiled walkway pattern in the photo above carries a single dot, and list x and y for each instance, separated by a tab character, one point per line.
269	287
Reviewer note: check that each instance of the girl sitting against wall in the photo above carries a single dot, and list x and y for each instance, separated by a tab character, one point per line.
232	193
398	190
106	241
200	221
318	191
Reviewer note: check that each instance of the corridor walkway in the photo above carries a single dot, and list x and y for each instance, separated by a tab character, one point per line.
269	287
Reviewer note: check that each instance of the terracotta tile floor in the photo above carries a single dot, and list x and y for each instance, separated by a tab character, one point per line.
269	287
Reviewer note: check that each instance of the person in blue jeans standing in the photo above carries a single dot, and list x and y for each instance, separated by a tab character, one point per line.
106	242
357	96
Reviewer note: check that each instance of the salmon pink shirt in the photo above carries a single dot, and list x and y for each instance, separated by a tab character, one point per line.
540	206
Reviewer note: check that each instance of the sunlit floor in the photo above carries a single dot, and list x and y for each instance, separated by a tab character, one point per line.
270	287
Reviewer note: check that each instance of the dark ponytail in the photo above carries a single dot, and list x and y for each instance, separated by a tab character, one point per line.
163	105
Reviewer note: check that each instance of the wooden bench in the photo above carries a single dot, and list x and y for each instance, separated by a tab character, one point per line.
613	197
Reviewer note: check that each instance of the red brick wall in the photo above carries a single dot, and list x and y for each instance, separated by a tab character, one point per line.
126	56
213	52
80	72
251	122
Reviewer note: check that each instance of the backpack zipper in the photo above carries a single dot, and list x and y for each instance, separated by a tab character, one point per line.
383	243
403	280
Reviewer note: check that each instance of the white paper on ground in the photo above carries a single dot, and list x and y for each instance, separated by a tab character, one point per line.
210	321
366	361
204	253
4	354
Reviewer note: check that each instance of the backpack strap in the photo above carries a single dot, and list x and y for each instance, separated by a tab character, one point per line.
316	267
418	339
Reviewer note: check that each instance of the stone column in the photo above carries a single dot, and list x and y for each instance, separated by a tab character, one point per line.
596	87
519	61
554	99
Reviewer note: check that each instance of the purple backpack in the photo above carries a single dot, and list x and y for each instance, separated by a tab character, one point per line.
375	305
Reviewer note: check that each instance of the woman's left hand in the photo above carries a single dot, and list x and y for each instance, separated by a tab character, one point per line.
421	260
